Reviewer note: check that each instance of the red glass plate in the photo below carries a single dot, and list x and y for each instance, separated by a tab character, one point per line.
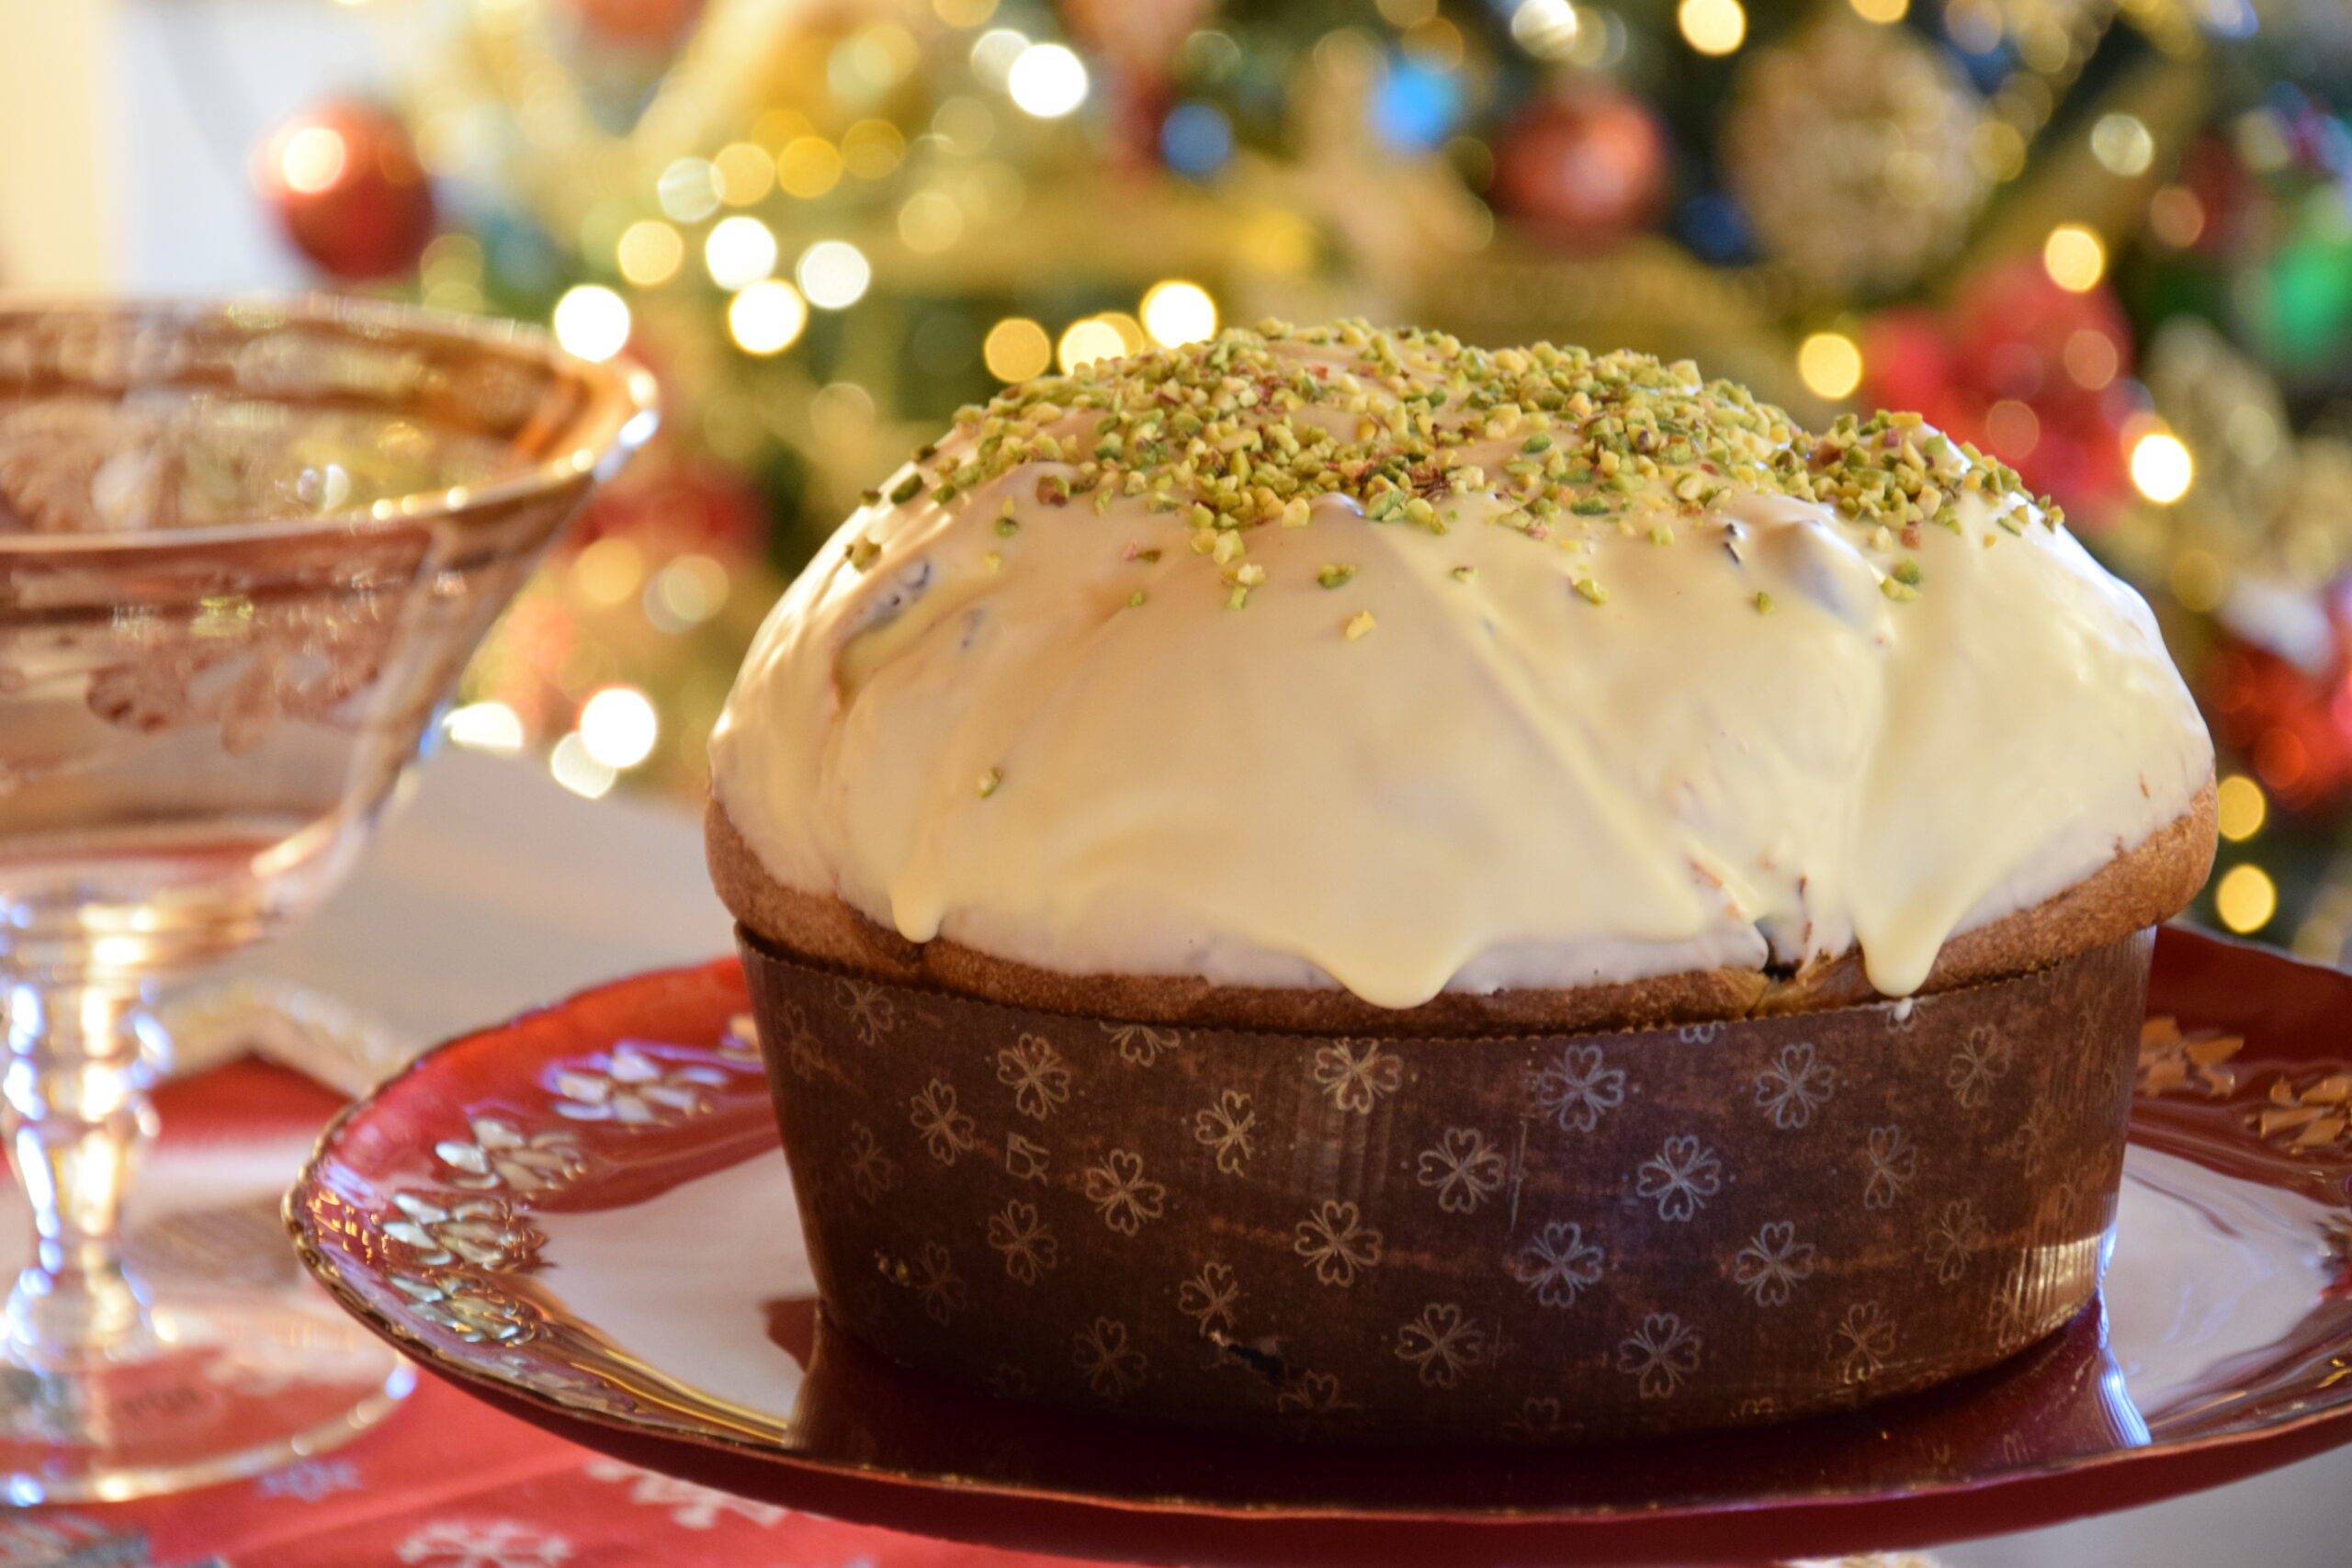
583	1217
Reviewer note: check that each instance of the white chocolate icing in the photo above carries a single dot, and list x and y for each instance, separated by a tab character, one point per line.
969	731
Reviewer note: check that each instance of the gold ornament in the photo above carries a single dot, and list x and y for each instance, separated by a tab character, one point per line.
1849	147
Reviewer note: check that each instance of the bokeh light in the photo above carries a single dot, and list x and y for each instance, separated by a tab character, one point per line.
618	727
1545	29
312	159
1088	340
2176	216
1176	312
1195	139
2245	898
993	53
1830	365
2162	469
766	317
1046	80
1882	11
2091	358
930	222
745	173
485	727
2123	144
592	322
649	252
808	167
2073	257
1017	348
570	766
608	571
689	189
2239	807
1712	27
739	253
833	274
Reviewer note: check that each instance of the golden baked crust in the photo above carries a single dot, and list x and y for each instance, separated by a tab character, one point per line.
2142	885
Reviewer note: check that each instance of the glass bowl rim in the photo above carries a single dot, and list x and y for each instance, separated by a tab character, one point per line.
619	414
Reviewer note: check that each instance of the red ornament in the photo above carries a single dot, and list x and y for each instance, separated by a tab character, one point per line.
346	183
639	24
1584	167
2027	370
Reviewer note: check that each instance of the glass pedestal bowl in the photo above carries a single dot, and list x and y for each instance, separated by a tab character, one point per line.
244	551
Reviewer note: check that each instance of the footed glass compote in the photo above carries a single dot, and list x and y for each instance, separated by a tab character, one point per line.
244	551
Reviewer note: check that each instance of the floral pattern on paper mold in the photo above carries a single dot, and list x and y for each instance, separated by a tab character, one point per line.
1690	1223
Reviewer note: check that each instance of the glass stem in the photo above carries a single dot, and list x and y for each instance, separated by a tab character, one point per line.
74	1110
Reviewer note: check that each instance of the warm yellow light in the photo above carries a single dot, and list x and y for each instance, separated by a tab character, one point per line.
1087	342
687	591
745	173
1881	10
739	253
2246	898
833	274
1046	80
766	317
964	13
1017	348
808	167
649	252
2161	468
1545	29
312	159
2073	257
592	322
1132	339
2239	807
485	727
1712	27
608	571
930	222
1177	311
618	727
871	149
576	770
1830	365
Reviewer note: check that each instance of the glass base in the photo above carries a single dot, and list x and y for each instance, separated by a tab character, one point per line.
234	1384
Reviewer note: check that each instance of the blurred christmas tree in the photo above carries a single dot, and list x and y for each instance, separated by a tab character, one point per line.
2108	239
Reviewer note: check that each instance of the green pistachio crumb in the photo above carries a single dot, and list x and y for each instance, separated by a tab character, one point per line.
1592	590
904	490
1465	573
1335	576
988	781
1006	527
1763	603
1906	572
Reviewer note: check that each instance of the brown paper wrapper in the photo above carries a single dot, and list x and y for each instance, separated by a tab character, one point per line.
1524	1238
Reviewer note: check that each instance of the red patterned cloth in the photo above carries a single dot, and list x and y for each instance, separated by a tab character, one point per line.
445	1482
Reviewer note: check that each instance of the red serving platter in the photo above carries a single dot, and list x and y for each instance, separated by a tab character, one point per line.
582	1218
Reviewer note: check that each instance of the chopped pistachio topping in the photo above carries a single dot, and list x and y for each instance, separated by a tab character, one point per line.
1135	600
1251	428
1335	576
1763	603
1358	625
988	781
1465	573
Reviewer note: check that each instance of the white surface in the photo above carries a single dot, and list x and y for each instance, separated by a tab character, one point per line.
496	891
737	1235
